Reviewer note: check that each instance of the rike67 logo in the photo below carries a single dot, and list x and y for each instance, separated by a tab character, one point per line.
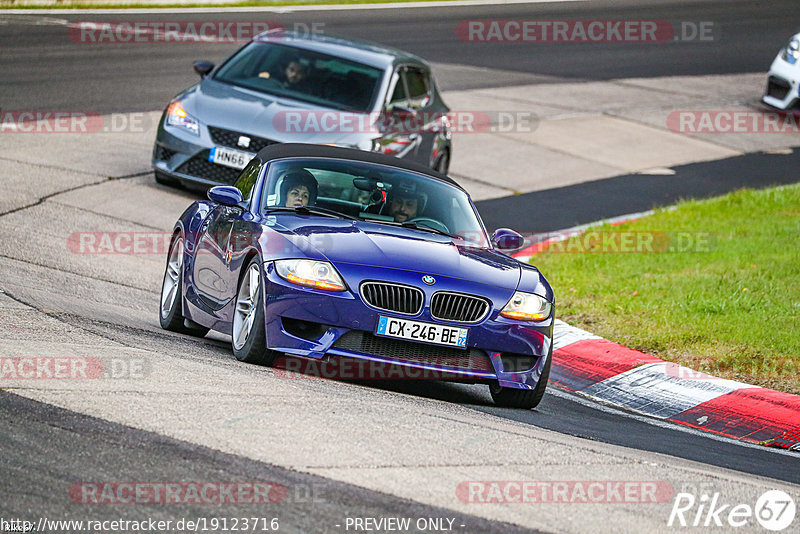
774	510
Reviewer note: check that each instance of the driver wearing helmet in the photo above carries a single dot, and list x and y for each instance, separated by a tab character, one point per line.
299	188
405	205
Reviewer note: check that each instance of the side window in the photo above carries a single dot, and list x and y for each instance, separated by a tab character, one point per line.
399	94
247	180
419	87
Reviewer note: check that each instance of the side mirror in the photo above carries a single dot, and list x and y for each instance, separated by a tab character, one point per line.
507	239
203	68
226	195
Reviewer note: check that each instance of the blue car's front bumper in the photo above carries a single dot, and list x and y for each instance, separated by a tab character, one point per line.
325	325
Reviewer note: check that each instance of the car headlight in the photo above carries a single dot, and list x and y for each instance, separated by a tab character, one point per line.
527	307
310	273
177	116
792	51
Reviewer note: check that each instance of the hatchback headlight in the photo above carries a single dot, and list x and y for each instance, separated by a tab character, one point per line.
792	51
177	116
310	273
527	307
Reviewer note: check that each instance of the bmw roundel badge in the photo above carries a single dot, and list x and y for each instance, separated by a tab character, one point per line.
429	280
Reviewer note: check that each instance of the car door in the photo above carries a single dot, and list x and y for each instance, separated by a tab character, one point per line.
399	136
210	266
214	280
419	88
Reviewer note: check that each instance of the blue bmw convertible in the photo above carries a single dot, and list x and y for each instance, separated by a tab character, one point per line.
325	254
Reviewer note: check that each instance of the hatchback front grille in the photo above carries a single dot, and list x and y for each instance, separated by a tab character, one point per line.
412	352
458	307
230	138
202	168
393	297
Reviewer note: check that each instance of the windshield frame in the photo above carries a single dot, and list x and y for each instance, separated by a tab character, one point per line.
268	177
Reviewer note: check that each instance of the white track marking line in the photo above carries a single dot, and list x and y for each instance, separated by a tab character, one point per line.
278	9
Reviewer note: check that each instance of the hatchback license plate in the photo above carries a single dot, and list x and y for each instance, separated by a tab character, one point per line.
229	157
437	334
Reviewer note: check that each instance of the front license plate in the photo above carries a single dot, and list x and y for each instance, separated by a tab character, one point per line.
425	332
230	157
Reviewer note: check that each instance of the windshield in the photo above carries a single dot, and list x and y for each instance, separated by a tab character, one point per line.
372	192
312	77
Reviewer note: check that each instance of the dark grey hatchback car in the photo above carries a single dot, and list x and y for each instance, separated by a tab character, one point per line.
284	87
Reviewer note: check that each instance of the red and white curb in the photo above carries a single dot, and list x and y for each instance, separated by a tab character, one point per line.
610	373
613	374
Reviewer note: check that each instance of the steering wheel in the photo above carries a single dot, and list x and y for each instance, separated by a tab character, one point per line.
430	223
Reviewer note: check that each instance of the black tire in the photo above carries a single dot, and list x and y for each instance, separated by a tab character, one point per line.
254	350
171	315
165	179
522	398
443	163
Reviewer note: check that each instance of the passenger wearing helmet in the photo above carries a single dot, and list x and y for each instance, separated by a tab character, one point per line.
299	188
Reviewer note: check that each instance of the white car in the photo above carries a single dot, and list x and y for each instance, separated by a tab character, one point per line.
783	82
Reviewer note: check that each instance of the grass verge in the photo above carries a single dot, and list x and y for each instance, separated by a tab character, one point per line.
713	285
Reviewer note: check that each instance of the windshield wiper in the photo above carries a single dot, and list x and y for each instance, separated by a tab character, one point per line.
416	226
312	210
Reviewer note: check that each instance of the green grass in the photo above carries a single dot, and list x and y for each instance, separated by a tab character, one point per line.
729	306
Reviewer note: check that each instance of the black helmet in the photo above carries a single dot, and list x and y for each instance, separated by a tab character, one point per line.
405	191
299	177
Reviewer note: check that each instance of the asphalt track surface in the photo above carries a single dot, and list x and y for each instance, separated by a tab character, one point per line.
565	414
69	445
565	207
44	70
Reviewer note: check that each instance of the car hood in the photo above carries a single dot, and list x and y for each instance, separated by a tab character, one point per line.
380	245
242	110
